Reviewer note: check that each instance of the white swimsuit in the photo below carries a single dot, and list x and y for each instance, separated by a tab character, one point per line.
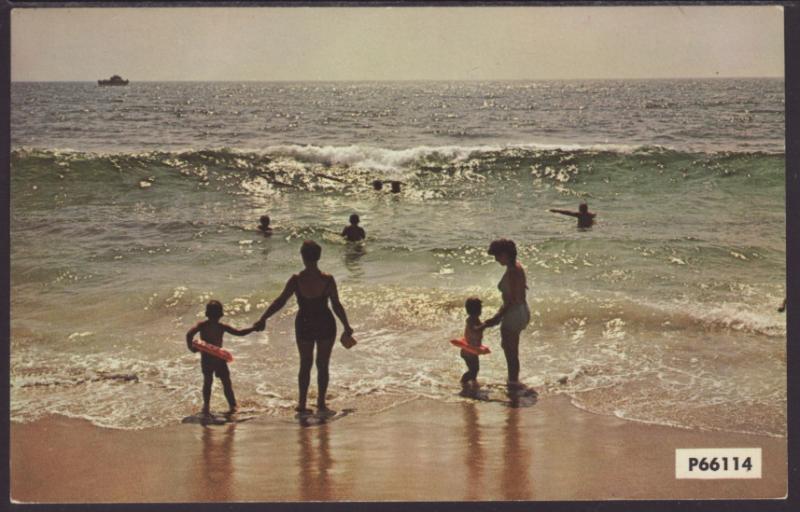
517	316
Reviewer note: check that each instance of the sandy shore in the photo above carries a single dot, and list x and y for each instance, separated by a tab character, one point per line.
422	450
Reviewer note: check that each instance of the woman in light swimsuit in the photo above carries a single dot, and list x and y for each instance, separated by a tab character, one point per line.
314	323
514	315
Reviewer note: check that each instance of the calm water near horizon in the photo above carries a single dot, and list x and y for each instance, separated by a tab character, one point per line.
133	206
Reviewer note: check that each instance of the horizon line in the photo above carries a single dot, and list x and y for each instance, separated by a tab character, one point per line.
718	77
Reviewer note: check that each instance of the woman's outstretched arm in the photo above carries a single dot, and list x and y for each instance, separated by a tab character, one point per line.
277	304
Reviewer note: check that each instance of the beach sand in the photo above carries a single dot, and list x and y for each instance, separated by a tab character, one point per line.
419	451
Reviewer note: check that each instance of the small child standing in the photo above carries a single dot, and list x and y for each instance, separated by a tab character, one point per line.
473	335
211	331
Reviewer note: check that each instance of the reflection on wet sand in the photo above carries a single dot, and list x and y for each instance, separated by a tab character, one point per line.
217	475
352	254
314	464
474	453
516	471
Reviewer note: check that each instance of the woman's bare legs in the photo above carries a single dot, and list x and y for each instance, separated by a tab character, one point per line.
510	344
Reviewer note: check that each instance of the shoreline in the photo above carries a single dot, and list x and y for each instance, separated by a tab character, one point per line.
419	451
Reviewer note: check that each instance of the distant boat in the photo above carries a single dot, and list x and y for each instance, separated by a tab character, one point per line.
114	80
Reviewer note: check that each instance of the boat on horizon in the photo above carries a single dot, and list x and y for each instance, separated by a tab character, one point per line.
114	80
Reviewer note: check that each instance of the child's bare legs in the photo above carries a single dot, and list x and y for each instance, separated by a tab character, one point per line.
220	368
473	365
208	381
227	387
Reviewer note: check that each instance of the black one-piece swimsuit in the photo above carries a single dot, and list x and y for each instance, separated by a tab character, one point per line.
314	321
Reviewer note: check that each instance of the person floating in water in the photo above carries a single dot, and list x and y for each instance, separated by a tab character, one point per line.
354	233
211	331
585	217
264	225
473	335
396	185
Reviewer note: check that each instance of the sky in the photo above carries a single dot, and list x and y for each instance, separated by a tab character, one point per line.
395	43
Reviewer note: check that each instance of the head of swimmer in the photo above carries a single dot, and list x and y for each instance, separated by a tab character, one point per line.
504	251
354	219
214	310
583	208
310	252
264	219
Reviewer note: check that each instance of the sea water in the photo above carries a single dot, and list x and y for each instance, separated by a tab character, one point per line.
132	206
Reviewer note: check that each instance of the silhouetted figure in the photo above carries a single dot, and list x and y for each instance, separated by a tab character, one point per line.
514	315
473	335
314	323
354	233
396	186
782	307
585	217
264	225
211	331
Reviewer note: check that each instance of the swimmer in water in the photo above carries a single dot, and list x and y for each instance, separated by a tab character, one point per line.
585	217
264	225
377	185
211	331
354	233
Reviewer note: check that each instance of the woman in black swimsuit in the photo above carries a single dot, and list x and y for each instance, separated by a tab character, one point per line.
314	322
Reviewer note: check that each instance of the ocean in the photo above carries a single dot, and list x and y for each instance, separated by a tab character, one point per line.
132	206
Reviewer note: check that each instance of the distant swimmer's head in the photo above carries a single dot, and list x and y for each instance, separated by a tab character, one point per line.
355	219
473	306
583	208
377	185
264	220
310	251
214	310
503	250
395	187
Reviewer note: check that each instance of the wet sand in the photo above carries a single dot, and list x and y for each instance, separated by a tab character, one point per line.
420	451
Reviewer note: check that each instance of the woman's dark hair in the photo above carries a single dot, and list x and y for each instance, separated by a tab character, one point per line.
311	251
473	306
503	246
214	309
